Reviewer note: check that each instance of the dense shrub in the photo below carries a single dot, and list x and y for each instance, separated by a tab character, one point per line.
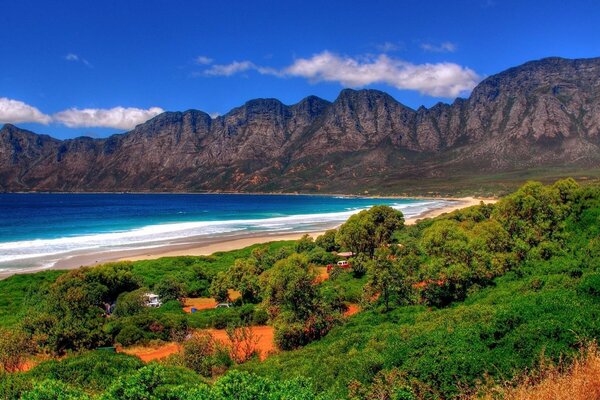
327	241
221	318
54	390
170	289
205	355
590	285
92	371
12	386
319	256
305	244
151	324
369	229
130	303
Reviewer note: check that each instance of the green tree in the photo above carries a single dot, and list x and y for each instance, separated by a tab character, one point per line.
387	280
219	287
532	214
304	244
448	242
243	277
369	229
71	317
326	241
130	303
289	286
567	189
116	277
360	265
170	289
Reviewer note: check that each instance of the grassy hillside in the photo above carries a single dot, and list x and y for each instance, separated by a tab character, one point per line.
450	307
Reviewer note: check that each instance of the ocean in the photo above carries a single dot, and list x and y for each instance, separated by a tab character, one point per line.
37	230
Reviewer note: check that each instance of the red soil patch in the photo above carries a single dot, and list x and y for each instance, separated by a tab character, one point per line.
265	346
152	353
322	274
206	303
352	309
199	303
32	362
27	365
265	335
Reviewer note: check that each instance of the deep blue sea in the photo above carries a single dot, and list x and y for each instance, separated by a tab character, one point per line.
36	230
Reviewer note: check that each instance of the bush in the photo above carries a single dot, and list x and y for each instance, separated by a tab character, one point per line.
221	318
92	371
152	324
327	241
260	316
291	334
15	345
360	265
590	285
205	355
304	244
130	335
12	386
54	390
170	289
319	256
152	382
130	303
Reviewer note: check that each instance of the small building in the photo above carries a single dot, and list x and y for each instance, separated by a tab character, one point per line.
152	300
345	254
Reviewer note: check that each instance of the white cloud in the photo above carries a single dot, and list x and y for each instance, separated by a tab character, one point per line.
203	60
15	111
438	80
388	47
445	47
75	58
117	117
230	69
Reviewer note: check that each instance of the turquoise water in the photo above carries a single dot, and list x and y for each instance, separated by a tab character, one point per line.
36	230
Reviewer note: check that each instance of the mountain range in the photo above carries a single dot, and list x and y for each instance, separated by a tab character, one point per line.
540	116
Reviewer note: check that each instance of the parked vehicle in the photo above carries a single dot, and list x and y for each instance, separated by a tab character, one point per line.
152	300
341	264
224	305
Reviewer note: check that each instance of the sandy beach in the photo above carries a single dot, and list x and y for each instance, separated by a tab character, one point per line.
207	246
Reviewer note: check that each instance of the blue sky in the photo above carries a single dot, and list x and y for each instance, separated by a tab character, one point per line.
74	68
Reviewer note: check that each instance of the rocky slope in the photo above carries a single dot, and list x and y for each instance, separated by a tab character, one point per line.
541	114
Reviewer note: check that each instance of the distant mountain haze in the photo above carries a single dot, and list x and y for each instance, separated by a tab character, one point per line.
543	113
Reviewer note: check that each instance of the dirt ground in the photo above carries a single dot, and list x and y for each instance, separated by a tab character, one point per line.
151	353
205	303
264	334
352	309
322	274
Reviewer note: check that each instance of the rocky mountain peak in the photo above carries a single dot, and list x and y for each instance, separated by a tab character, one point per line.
542	113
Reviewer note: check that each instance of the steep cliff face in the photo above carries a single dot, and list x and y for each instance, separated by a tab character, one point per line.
542	113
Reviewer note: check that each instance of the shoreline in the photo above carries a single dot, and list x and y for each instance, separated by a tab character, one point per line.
204	246
358	195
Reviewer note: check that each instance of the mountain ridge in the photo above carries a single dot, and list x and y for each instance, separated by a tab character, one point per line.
544	113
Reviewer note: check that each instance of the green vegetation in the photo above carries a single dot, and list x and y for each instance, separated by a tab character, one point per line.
448	304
